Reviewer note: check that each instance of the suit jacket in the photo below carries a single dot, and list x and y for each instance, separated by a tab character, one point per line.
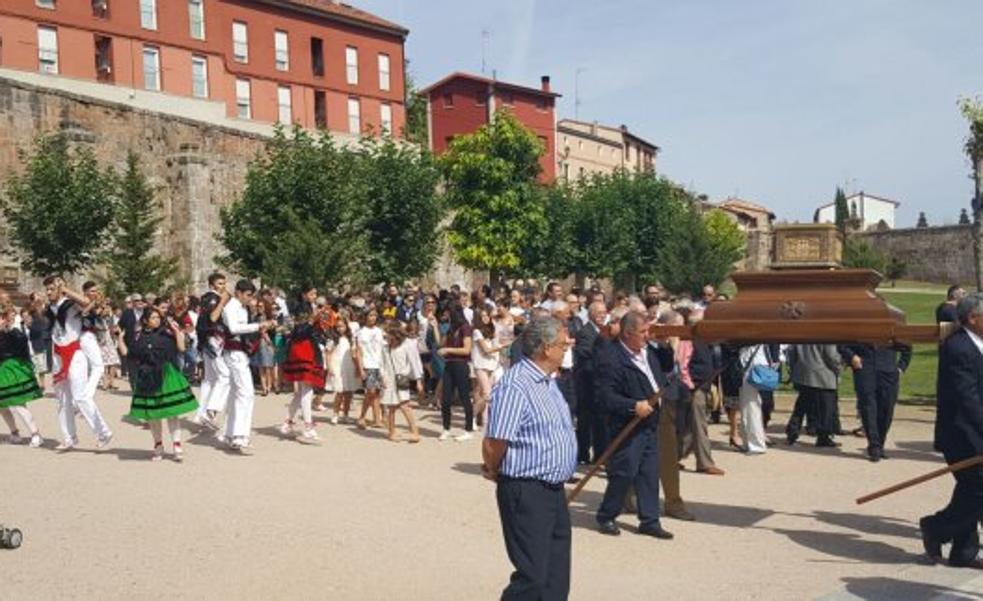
130	324
815	365
583	349
619	384
884	359
703	365
959	421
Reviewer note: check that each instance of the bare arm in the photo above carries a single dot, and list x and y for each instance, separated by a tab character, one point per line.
82	301
216	313
492	454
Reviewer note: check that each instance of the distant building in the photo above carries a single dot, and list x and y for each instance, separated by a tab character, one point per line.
748	215
461	103
587	148
755	221
869	210
317	63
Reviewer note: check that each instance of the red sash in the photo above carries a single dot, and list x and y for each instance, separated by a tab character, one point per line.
65	353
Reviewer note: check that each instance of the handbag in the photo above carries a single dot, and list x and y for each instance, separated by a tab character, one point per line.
764	378
402	381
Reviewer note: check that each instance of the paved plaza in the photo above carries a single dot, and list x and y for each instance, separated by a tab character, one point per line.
359	517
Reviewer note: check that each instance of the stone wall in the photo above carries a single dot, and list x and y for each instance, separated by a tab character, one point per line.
933	254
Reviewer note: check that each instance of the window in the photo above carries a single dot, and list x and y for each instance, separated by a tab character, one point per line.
148	14
47	50
351	65
320	109
281	50
199	76
448	100
240	42
542	105
45	4
151	69
283	104
480	97
100	9
508	99
196	18
354	116
386	118
243	104
317	57
384	72
104	58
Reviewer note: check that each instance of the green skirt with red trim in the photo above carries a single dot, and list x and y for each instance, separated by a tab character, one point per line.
18	385
173	399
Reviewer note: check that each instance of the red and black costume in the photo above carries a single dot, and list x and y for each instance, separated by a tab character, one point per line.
305	359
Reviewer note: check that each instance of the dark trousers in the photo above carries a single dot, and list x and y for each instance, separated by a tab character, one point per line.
457	378
819	404
536	527
635	463
565	382
592	431
958	521
877	394
767	406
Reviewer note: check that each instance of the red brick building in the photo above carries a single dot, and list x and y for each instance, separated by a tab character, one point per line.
461	103
318	63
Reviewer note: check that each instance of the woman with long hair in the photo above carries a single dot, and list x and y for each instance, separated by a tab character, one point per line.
456	352
485	355
341	366
305	368
160	391
400	368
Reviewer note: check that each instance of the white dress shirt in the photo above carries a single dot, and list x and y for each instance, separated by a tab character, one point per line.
236	318
976	339
641	361
70	332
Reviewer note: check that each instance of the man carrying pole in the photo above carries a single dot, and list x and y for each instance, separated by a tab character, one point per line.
959	435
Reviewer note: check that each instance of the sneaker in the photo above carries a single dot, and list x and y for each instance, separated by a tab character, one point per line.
286	428
158	452
15	438
36	441
66	445
334	420
311	435
445	435
103	442
178	452
463	437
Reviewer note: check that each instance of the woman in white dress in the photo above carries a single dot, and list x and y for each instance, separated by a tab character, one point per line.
485	356
401	367
752	422
341	367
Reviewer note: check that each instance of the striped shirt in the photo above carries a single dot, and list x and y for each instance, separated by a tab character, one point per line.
528	411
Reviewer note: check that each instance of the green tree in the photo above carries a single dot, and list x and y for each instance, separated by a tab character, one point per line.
404	212
415	130
490	178
606	227
552	252
861	254
972	111
842	211
922	220
700	250
895	270
302	192
59	209
131	264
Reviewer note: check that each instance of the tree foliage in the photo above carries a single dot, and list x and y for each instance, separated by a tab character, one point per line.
59	209
490	178
895	269
415	130
861	254
700	250
130	260
314	212
842	211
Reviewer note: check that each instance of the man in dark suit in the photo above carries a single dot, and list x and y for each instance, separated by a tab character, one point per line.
129	323
959	435
876	377
628	375
591	430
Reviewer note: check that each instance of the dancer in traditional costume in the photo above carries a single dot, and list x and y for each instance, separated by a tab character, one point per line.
71	367
161	392
92	322
304	367
18	385
215	386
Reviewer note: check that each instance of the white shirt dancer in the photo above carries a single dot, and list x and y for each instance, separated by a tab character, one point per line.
235	317
88	340
71	368
216	384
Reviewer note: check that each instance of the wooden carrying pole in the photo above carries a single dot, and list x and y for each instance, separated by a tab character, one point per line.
613	446
955	467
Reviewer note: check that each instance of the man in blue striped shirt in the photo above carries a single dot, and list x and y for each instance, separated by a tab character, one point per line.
530	450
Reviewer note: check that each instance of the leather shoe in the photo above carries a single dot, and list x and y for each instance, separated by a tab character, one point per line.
976	564
657	532
609	528
681	514
712	471
932	545
791	437
827	442
874	455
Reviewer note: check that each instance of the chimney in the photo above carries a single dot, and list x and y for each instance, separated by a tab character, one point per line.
546	83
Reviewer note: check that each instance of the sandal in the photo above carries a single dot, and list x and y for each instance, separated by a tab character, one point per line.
178	452
158	451
733	443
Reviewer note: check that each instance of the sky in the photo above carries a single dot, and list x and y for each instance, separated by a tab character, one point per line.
775	101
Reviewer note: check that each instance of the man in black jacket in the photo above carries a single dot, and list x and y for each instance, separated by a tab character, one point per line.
704	366
591	430
628	375
959	435
876	376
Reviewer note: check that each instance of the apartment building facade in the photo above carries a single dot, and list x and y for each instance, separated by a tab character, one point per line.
587	148
316	63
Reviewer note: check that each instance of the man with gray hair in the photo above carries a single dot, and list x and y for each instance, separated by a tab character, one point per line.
530	451
959	435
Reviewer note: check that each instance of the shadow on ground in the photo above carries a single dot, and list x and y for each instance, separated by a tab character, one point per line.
891	589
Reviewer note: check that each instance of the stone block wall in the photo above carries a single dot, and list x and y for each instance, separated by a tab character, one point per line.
934	254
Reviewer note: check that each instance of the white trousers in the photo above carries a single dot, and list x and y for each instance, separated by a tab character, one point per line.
301	401
70	393
90	347
239	419
752	420
216	384
25	416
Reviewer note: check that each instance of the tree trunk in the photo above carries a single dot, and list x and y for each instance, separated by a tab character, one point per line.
978	222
